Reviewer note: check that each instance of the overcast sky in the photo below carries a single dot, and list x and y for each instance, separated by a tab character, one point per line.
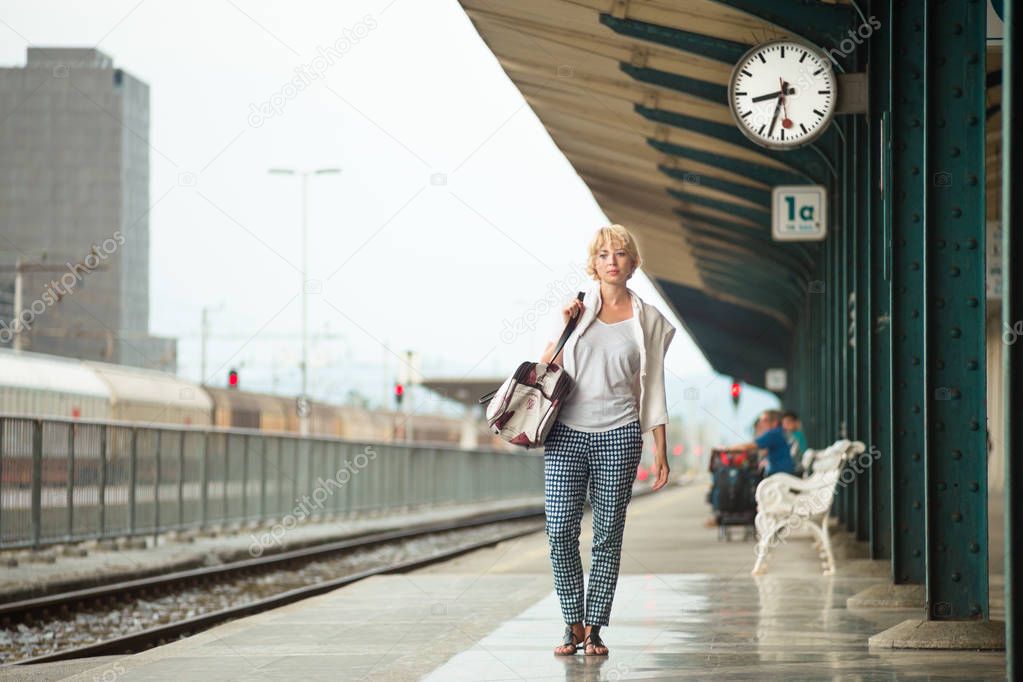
454	213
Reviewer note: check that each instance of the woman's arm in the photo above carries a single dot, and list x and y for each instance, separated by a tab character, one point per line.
660	442
660	468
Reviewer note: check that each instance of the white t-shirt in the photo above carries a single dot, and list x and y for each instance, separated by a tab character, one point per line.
607	378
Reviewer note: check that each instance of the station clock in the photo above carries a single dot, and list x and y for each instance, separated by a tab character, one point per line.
782	94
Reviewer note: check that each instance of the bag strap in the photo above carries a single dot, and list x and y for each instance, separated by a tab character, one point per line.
569	328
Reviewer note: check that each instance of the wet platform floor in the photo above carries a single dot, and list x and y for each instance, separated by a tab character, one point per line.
685	608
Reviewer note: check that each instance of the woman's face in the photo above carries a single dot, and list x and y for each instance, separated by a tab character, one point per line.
613	263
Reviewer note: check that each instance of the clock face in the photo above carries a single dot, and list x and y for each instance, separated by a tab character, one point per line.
782	94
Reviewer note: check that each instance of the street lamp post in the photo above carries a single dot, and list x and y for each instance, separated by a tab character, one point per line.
304	174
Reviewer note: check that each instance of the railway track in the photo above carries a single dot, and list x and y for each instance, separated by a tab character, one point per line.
242	588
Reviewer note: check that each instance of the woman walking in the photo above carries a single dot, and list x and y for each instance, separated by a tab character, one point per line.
616	356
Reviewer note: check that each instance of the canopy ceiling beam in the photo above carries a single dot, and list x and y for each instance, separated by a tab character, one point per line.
758	196
758	217
805	160
765	174
712	92
806	252
720	49
760	247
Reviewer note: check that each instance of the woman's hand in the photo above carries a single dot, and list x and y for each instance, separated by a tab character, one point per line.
660	471
570	310
660	467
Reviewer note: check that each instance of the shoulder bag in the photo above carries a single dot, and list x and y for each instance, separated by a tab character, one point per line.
523	410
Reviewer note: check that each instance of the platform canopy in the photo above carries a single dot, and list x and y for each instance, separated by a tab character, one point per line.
462	389
634	93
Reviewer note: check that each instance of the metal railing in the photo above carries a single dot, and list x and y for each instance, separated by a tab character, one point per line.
68	480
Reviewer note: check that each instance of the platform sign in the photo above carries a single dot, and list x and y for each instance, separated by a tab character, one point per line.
799	213
776	379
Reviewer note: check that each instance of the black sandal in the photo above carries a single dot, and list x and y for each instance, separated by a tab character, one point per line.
593	639
569	640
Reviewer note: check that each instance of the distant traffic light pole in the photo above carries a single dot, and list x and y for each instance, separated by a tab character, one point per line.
204	333
304	174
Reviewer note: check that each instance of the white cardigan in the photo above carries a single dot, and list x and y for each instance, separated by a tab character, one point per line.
657	335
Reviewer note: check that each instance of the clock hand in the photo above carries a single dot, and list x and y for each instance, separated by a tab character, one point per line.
774	119
786	91
769	95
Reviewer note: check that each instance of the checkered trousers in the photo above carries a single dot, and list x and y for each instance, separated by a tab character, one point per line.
606	463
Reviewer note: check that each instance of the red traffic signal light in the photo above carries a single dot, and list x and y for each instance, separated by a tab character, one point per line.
232	378
736	390
399	393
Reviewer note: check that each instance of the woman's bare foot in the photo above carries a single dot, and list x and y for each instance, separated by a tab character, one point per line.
594	645
577	634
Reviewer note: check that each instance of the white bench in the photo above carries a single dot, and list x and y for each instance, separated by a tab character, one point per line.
786	503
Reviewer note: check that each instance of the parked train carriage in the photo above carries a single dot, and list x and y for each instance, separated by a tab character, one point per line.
144	395
51	386
434	429
46	385
245	409
361	424
323	420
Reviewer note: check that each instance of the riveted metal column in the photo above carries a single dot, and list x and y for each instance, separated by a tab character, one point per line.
859	320
909	315
845	222
845	278
861	428
823	354
1012	312
877	187
844	304
829	313
850	260
852	265
956	453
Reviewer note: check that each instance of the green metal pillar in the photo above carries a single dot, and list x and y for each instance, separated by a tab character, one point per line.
860	372
956	450
845	201
856	192
878	191
857	307
909	80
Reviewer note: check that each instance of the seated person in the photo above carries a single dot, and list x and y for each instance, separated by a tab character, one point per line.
771	437
794	435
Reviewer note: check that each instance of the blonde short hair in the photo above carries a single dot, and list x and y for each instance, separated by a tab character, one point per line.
616	236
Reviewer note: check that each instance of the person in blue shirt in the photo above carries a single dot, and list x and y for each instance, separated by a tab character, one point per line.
771	438
794	433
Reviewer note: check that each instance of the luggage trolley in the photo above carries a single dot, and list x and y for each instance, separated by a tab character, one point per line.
736	476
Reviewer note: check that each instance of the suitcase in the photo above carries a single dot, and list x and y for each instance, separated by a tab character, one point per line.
736	490
736	477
